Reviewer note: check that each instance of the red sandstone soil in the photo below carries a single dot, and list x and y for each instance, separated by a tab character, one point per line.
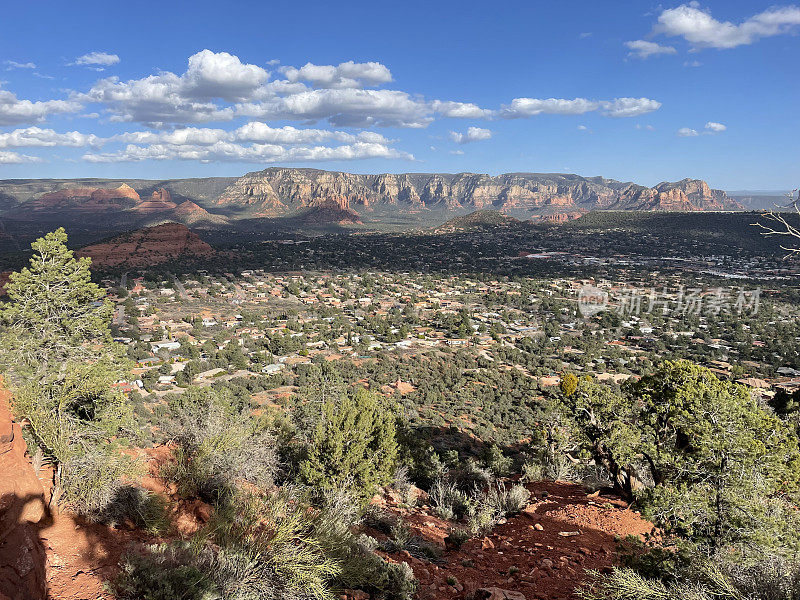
517	556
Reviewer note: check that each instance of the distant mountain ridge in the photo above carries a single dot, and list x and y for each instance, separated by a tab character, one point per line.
274	191
277	193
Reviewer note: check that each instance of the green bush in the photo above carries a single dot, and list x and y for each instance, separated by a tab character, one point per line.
164	572
353	446
765	580
214	447
708	464
509	501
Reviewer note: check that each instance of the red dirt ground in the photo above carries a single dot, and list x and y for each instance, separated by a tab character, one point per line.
519	556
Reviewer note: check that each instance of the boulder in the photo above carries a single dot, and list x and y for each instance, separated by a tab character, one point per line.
495	593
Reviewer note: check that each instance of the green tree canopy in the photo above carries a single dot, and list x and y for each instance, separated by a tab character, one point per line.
703	458
58	360
353	446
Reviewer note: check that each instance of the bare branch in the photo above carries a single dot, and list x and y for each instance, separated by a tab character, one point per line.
783	227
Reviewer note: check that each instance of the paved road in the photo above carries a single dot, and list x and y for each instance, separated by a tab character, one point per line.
119	316
123	283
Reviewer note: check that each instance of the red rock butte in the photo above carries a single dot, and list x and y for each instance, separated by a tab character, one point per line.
149	246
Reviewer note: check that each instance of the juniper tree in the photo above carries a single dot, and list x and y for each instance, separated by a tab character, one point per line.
706	462
58	359
353	446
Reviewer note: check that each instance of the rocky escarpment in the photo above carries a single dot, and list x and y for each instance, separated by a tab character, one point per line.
150	246
685	195
84	200
275	191
120	205
22	510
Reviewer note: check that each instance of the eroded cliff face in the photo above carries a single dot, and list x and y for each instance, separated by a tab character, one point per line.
87	201
22	508
119	205
275	191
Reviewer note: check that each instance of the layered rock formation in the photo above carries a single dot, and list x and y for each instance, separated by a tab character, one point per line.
159	201
88	201
150	246
119	205
329	213
275	191
281	192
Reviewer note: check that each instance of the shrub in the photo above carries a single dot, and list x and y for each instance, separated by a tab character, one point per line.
142	508
353	446
470	475
457	536
90	481
532	471
214	447
164	572
268	546
401	539
508	501
765	580
498	463
448	501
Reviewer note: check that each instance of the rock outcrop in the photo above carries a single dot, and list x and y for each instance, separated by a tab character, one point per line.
149	246
22	509
85	201
275	191
159	201
112	206
190	213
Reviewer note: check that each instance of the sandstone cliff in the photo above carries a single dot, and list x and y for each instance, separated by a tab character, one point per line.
276	191
120	205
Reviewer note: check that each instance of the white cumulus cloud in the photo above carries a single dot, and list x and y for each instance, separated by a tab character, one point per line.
36	136
254	153
644	49
14	111
473	134
344	108
96	59
345	75
528	107
629	107
687	132
700	28
13	158
159	100
713	127
461	110
12	64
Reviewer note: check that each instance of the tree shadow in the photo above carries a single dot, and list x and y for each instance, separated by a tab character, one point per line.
23	557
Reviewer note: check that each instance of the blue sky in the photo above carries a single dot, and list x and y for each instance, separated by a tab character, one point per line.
630	90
